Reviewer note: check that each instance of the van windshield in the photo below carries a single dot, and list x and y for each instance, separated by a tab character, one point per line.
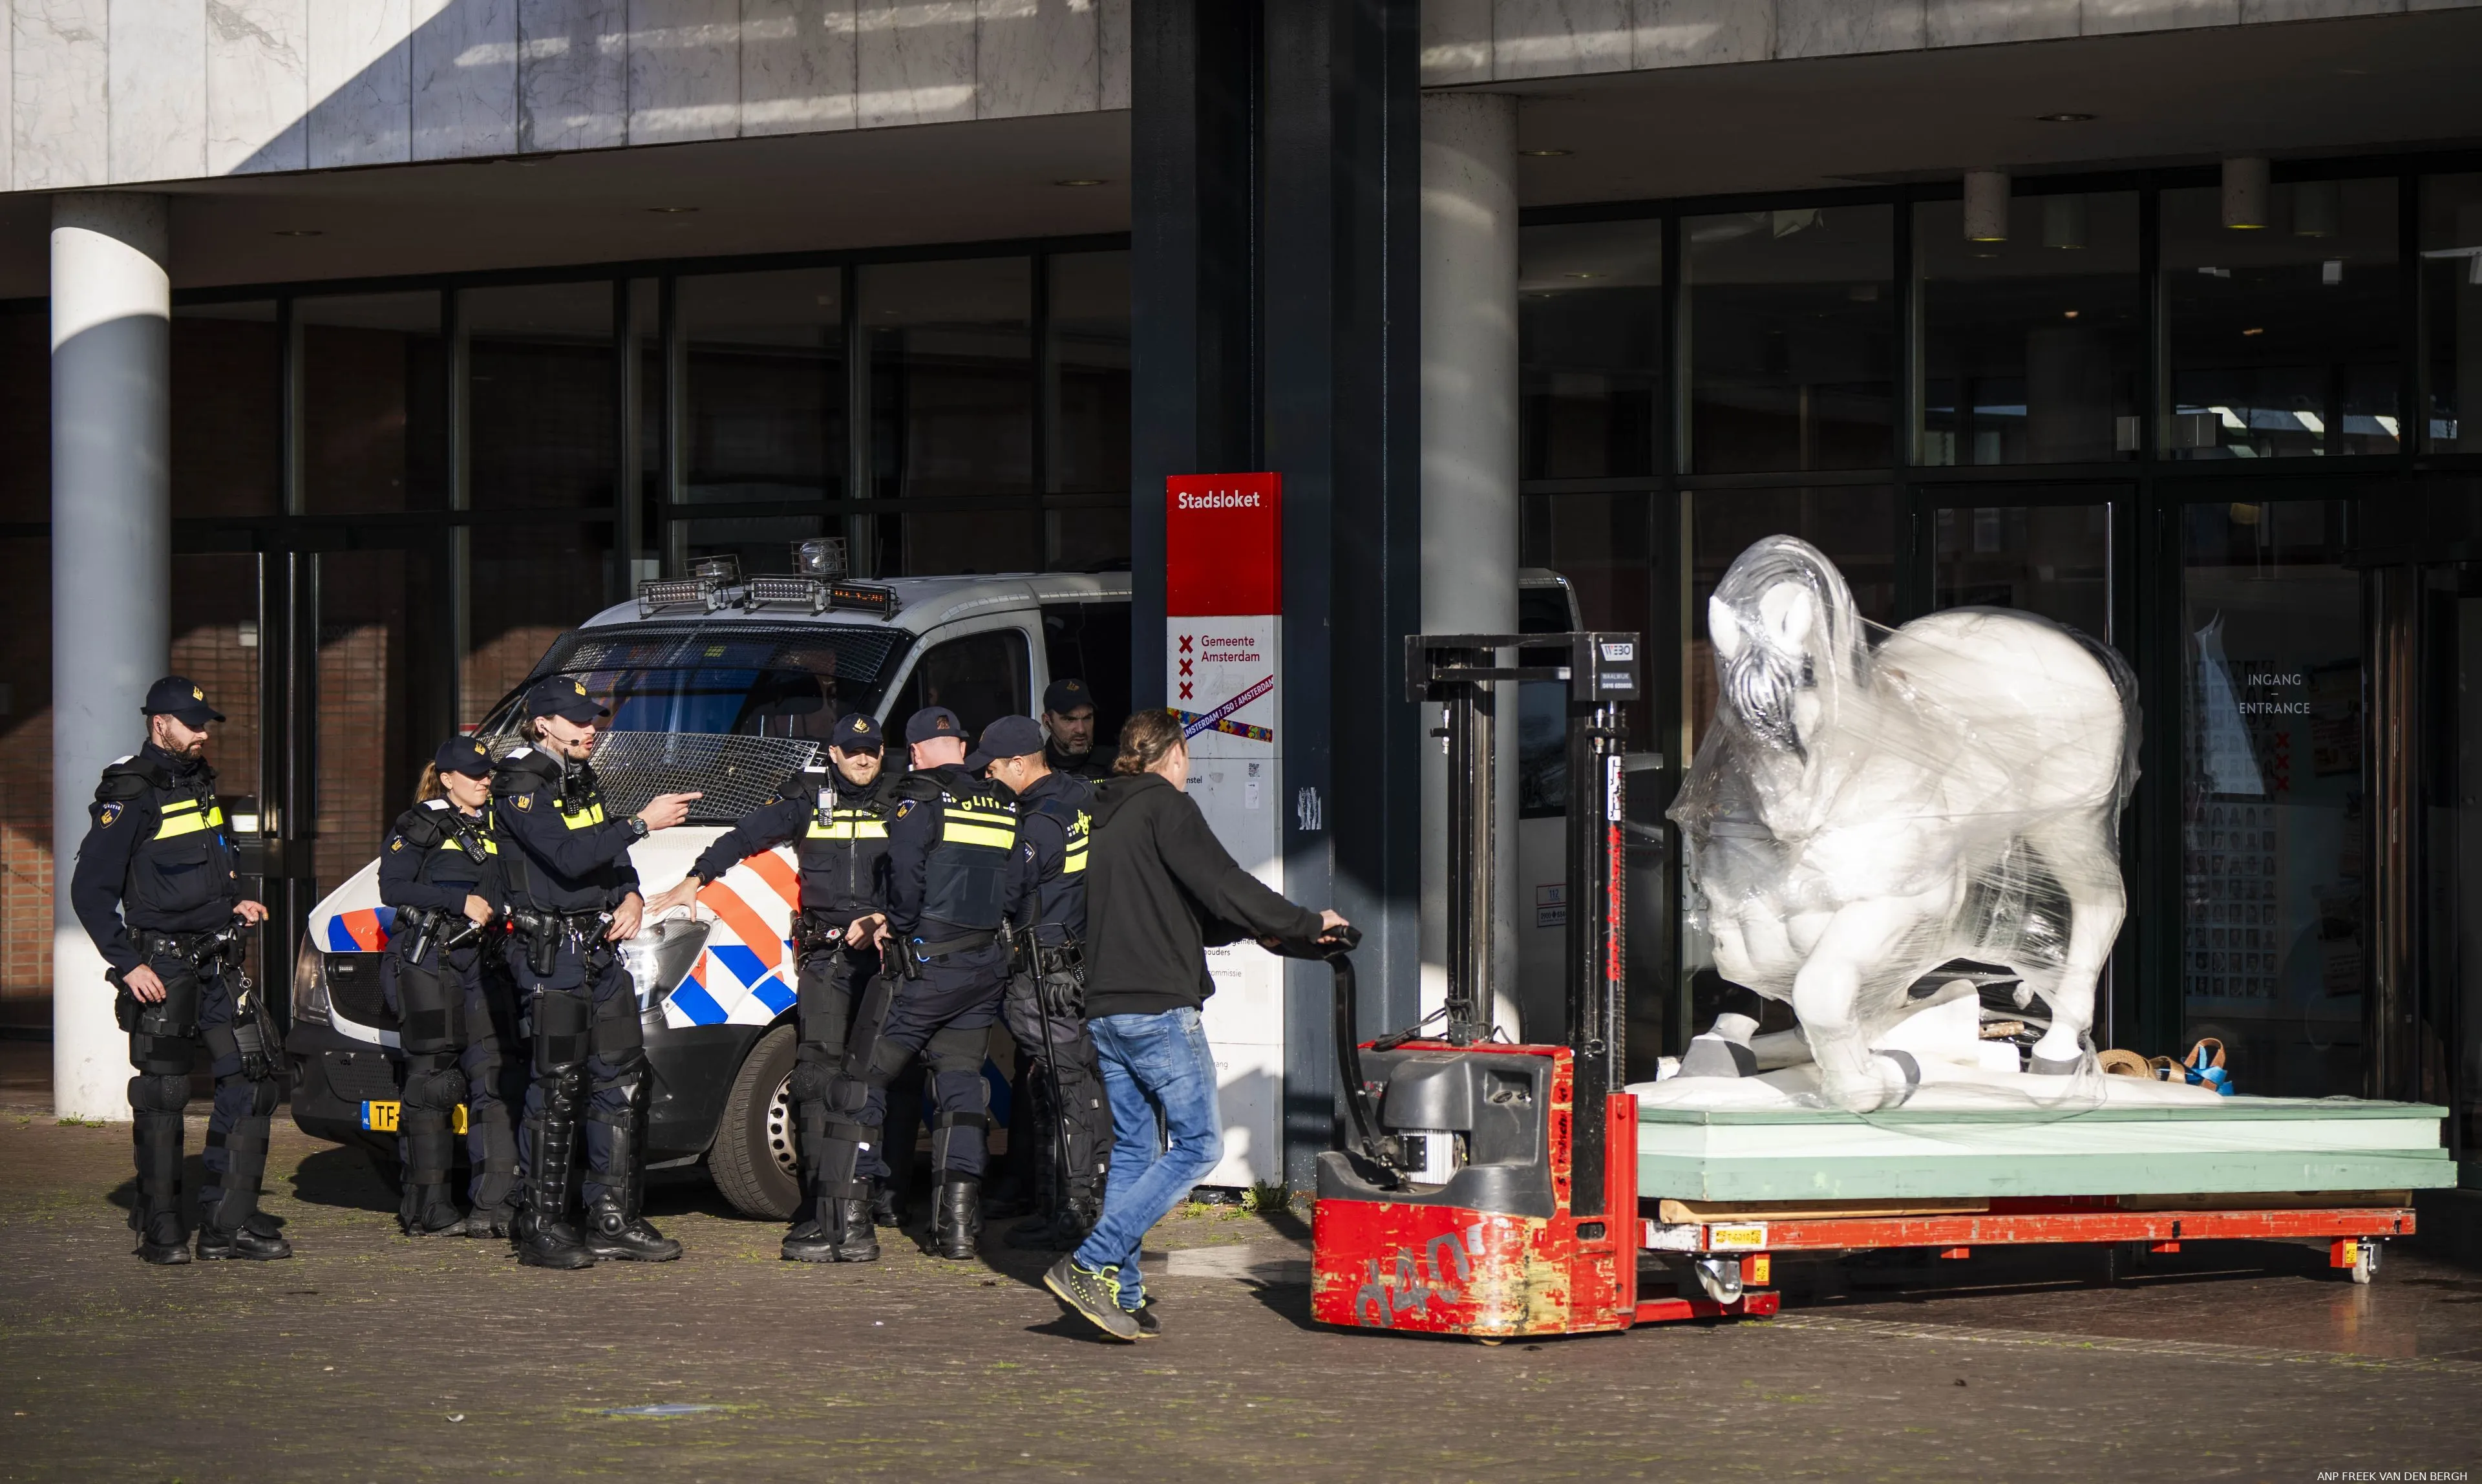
728	710
737	679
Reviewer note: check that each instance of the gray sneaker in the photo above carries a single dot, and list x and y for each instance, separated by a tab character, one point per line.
1092	1296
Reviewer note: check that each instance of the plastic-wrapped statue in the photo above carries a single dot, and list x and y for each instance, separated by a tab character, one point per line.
1861	814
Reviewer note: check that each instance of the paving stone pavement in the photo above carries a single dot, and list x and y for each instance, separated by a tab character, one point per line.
375	1356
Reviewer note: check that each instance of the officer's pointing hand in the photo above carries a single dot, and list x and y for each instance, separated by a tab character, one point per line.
144	984
253	912
667	809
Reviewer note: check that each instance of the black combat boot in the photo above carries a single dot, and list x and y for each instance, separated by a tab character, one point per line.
254	1241
958	1220
883	1210
541	1233
615	1231
161	1240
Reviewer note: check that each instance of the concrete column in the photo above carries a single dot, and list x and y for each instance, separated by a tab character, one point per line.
1469	477
110	574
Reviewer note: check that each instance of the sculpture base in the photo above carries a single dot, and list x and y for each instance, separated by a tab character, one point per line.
2225	1144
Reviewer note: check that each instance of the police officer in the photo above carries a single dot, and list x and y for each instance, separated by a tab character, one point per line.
1067	1134
157	890
440	873
572	895
1069	716
838	813
955	878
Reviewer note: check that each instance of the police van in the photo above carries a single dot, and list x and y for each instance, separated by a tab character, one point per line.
726	685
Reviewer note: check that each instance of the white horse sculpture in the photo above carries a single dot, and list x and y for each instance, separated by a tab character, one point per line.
1858	817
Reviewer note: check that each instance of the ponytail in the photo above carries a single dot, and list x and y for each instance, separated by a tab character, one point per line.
1147	738
429	787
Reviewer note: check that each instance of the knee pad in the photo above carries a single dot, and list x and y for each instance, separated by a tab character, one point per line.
809	1082
263	1097
562	1020
438	1090
153	1093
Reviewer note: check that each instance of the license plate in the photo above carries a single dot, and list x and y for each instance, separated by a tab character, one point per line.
1749	1238
382	1117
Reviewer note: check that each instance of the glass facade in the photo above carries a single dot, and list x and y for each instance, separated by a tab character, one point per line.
2283	341
2030	346
2113	418
1790	329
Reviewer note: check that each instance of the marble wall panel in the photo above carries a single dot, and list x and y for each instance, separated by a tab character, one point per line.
1559	37
1036	57
797	66
1456	41
684	71
258	86
1841	28
465	78
915	60
2314	9
361	83
572	74
1988	22
157	69
2112	17
60	79
8	104
1111	29
1695	33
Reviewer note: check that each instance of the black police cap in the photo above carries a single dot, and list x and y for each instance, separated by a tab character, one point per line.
177	697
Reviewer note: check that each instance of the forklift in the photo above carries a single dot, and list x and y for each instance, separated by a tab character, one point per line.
1482	1188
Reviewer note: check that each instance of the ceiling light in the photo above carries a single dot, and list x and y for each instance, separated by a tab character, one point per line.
672	211
2067	314
2317	208
1584	276
300	231
2064	119
1545	154
1986	205
2255	330
2245	192
1080	181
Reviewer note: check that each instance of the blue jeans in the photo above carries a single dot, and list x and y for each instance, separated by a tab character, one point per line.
1152	1063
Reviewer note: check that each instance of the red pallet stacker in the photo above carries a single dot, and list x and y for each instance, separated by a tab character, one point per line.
1490	1189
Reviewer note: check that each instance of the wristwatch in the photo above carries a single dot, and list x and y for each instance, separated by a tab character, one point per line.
638	825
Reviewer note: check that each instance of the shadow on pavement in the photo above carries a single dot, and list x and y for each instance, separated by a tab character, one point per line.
344	1178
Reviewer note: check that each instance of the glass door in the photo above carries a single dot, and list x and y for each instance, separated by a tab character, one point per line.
2445	1004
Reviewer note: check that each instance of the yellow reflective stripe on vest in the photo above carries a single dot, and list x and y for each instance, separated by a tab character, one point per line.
591	814
849	830
1074	859
965	825
184	817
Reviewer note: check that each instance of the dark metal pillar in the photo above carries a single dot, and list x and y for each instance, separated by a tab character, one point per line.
1276	294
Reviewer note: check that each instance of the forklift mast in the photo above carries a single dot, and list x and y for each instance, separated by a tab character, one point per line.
1461	674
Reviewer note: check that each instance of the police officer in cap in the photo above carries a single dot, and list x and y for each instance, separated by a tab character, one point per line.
572	896
1069	716
441	874
956	878
837	813
157	890
1067	1134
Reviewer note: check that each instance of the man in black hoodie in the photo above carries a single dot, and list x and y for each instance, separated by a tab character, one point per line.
1160	888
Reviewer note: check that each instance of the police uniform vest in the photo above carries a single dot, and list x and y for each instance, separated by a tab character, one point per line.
842	847
577	802
1060	912
455	851
182	876
965	876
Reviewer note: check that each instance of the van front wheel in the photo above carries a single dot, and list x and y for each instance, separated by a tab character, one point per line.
756	1158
